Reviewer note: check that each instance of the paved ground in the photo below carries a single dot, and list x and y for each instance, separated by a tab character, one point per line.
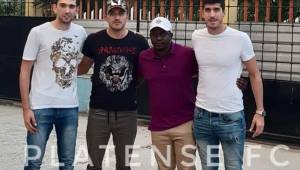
12	144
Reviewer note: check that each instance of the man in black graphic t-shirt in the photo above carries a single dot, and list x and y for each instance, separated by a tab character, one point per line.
115	63
114	53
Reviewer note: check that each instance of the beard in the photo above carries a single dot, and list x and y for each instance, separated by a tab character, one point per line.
67	20
118	28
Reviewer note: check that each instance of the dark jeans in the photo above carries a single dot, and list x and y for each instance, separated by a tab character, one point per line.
101	124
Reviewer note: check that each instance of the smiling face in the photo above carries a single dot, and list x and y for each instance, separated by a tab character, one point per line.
65	10
160	39
213	16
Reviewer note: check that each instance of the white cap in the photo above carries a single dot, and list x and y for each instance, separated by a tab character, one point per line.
162	23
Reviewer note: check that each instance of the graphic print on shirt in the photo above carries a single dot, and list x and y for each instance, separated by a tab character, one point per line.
116	73
64	61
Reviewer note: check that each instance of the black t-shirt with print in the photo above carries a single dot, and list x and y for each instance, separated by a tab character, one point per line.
115	69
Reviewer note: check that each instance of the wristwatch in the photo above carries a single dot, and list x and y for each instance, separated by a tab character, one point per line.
261	112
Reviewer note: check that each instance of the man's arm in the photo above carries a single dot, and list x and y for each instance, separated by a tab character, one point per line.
84	66
28	116
257	88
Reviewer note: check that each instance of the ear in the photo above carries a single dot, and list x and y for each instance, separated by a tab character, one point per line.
77	10
223	12
54	8
105	17
126	16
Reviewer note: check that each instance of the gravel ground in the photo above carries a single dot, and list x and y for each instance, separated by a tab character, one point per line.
12	147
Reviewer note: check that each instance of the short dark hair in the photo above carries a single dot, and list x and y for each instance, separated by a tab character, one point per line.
56	1
221	2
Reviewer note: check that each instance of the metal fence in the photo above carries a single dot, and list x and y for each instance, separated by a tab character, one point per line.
272	26
177	10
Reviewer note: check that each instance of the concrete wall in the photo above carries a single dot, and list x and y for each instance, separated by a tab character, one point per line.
84	92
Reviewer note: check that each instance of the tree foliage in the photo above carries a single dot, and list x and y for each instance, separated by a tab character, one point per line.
273	10
11	8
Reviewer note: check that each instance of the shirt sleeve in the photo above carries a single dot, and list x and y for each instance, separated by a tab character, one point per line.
84	34
194	63
32	46
247	51
87	49
140	67
143	43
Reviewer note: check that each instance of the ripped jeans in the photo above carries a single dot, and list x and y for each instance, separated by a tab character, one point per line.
211	129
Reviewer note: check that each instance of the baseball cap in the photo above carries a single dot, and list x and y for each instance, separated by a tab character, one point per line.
162	23
116	4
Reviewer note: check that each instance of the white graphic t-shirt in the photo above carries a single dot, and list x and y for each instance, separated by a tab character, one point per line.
55	53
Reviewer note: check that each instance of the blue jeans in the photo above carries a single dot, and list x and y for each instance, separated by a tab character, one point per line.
65	121
211	129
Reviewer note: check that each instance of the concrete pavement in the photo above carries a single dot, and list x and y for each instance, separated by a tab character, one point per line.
13	136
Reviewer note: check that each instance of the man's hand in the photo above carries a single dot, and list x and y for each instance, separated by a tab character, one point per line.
258	123
29	121
242	83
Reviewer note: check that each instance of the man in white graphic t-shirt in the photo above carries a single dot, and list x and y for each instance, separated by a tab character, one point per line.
53	48
219	117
